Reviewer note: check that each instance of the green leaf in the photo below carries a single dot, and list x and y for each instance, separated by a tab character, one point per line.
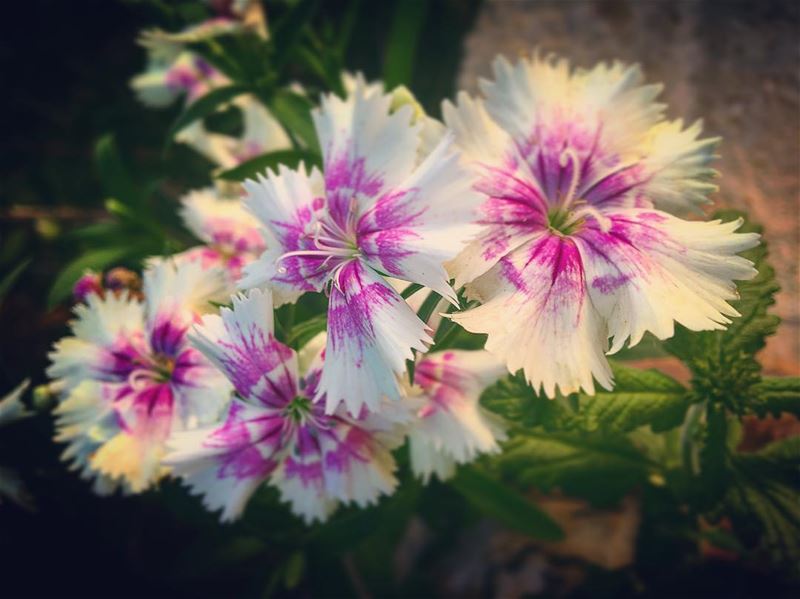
258	165
205	106
94	260
639	398
763	502
410	290
776	395
114	177
286	32
293	111
9	279
401	50
599	468
303	332
515	400
505	505
295	567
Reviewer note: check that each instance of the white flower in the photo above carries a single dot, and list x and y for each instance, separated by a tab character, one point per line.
574	248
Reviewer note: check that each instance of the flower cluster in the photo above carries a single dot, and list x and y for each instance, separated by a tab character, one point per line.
551	201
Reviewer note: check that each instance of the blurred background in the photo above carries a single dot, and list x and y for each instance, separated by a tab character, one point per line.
66	67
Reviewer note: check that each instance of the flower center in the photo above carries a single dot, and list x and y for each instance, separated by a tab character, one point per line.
333	244
163	367
298	409
571	211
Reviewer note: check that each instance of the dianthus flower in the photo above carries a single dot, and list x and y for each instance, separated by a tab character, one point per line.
376	211
577	166
275	430
129	376
450	426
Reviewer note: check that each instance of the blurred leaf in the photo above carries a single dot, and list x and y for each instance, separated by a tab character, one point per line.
410	290
639	398
204	106
505	505
776	395
401	49
303	332
115	178
763	500
258	165
286	31
9	279
514	399
293	111
93	260
599	468
295	567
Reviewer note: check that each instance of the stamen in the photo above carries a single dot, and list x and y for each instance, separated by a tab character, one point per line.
570	156
586	210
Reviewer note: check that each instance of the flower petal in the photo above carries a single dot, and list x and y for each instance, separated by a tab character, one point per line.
410	232
240	342
650	269
371	332
285	203
537	316
367	149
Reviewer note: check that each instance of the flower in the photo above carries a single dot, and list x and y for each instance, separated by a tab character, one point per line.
261	134
274	430
230	233
575	248
375	211
129	376
451	427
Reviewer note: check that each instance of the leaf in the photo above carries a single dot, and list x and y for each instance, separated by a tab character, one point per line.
295	567
515	400
294	113
303	332
410	290
7	282
94	260
639	398
599	468
205	106
776	395
114	177
714	466
286	32
258	165
505	505
401	49
763	500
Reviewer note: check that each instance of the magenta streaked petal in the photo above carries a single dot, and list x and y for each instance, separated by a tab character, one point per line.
371	331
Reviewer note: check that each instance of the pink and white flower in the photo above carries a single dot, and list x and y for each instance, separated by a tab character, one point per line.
274	430
129	376
230	234
375	211
451	427
575	247
261	133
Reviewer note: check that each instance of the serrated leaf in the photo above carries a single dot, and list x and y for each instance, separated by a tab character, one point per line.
776	395
286	32
205	106
505	505
599	468
639	398
513	399
94	260
258	165
763	500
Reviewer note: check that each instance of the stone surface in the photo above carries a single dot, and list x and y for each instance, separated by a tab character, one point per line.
736	65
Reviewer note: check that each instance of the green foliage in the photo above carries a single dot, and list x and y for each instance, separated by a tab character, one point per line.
402	47
498	501
205	106
776	395
259	165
